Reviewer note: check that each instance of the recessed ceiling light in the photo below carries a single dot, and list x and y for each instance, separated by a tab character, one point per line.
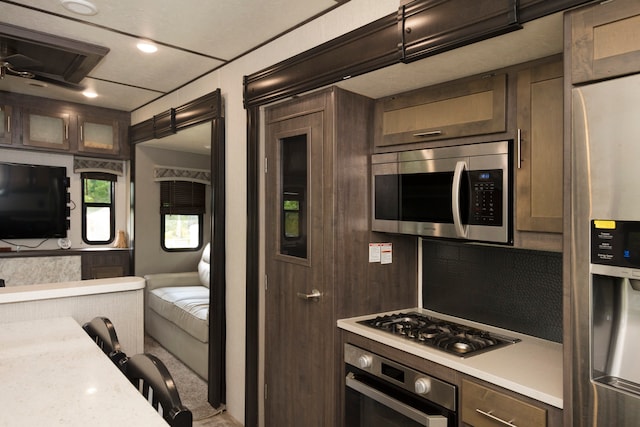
81	7
90	94
147	47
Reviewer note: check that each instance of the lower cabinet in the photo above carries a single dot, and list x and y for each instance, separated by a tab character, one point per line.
102	264
489	406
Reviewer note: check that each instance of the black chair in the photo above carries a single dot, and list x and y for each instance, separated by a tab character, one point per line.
102	331
153	380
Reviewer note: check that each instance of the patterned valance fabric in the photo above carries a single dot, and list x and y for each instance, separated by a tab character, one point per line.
168	173
87	164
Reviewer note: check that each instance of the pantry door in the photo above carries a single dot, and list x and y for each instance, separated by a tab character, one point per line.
298	309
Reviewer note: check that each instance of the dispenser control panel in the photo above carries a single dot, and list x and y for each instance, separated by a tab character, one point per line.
615	243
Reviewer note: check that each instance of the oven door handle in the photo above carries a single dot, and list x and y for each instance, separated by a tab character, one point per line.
461	230
425	420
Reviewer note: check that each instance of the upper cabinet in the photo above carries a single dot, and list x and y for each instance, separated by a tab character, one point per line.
605	40
45	129
5	124
44	124
539	153
98	135
445	111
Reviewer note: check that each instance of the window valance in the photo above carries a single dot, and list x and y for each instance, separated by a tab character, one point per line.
88	164
169	173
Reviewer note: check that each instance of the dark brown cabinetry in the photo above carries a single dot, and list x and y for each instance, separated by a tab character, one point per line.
316	251
450	110
44	124
45	128
104	263
539	155
605	40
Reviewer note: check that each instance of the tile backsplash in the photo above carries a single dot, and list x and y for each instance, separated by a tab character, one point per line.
515	289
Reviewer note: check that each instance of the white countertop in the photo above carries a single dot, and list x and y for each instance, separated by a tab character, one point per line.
11	294
531	367
53	374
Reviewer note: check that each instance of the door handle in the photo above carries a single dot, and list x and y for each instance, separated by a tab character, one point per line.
314	295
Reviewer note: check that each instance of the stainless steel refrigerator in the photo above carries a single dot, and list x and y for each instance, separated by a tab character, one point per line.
605	253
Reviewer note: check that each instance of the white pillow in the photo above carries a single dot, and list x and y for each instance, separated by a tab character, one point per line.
204	266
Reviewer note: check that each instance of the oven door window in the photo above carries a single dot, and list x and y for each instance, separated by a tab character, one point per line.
368	404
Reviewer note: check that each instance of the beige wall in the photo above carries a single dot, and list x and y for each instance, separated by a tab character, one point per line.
347	17
149	255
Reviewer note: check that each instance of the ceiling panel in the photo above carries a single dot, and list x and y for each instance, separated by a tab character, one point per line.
194	37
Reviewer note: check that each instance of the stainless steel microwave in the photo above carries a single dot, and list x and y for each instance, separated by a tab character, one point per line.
458	192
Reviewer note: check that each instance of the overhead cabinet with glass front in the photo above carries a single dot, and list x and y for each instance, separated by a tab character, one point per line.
44	124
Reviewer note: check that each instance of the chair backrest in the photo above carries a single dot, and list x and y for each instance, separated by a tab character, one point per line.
102	331
153	380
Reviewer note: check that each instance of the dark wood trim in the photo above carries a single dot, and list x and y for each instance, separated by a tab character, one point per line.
457	25
366	49
253	266
217	324
164	124
205	108
200	110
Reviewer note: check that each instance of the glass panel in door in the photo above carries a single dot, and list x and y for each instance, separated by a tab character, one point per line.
293	221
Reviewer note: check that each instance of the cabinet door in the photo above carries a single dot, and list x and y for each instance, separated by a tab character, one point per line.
445	111
5	124
45	129
98	135
539	167
484	407
605	40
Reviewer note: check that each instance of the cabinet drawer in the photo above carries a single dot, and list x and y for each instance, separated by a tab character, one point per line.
441	112
484	407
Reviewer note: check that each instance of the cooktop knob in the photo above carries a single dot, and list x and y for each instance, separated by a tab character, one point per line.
365	361
422	385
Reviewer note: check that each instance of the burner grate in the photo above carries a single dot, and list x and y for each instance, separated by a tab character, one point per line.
451	337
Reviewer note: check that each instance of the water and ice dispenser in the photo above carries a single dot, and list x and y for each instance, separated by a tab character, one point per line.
615	300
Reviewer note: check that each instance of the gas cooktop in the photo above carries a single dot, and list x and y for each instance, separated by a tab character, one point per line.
445	335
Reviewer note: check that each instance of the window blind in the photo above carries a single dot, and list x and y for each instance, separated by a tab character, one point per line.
182	198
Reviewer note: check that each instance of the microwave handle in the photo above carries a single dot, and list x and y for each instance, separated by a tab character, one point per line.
461	230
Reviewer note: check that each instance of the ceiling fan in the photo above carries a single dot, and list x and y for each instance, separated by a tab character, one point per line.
19	65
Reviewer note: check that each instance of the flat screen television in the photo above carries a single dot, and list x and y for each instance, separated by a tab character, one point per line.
33	201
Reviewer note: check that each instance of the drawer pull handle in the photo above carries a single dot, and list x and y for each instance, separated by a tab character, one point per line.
430	133
493	417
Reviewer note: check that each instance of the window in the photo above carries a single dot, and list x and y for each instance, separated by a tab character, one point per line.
182	208
98	213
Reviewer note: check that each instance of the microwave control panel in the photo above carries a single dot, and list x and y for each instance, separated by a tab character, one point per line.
486	197
615	243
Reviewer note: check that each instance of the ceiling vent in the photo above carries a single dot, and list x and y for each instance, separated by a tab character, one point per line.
45	57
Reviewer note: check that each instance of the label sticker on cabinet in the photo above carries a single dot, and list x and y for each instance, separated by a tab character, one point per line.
381	252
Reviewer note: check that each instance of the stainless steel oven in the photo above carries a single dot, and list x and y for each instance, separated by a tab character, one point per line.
381	392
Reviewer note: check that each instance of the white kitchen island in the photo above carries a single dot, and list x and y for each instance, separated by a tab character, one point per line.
53	374
121	299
